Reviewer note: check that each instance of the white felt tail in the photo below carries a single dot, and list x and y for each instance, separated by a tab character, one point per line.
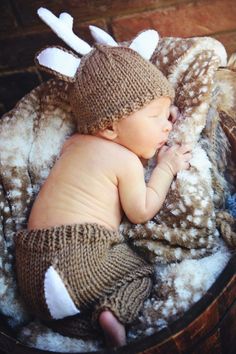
62	27
145	43
59	60
58	300
102	37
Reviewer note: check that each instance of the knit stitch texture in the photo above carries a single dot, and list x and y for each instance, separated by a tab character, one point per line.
111	83
98	269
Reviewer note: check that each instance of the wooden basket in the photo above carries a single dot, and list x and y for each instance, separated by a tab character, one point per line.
208	327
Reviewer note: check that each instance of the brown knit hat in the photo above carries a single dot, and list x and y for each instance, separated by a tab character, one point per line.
113	82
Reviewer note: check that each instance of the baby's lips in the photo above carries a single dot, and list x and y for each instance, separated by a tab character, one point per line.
160	145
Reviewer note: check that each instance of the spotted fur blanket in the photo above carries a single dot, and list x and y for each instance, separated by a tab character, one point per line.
186	225
186	228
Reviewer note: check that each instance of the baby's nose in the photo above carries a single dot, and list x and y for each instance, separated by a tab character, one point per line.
168	127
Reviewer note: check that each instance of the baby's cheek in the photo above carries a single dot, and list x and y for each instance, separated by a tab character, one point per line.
160	126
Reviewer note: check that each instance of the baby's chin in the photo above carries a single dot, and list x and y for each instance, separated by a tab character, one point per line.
148	155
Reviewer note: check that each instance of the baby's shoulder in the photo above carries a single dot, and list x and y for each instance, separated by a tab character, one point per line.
102	146
93	147
119	157
114	150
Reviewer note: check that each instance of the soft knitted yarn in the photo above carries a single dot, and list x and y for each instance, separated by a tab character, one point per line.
98	269
113	82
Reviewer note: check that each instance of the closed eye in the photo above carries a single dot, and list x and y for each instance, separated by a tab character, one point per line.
153	116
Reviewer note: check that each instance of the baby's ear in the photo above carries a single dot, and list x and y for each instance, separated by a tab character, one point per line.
58	61
110	133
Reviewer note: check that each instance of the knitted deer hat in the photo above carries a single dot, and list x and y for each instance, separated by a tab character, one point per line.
110	81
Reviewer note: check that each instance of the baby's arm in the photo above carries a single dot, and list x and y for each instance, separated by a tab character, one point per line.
141	201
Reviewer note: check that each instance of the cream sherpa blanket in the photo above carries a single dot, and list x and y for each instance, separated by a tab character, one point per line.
186	228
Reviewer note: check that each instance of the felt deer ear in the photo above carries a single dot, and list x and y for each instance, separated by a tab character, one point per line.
102	37
145	43
62	26
59	62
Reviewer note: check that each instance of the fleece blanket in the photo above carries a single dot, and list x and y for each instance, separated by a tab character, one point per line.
190	229
186	225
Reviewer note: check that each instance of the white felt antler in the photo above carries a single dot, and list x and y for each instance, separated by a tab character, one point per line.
145	43
62	27
67	19
59	60
101	36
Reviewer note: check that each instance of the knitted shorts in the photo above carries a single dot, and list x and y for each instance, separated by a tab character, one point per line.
99	270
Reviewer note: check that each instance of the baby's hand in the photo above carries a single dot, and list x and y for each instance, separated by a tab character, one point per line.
176	157
174	114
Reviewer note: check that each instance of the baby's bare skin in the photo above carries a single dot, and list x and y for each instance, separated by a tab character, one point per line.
82	186
98	178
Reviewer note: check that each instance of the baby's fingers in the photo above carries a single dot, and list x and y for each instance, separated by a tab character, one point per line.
163	149
187	166
185	148
187	156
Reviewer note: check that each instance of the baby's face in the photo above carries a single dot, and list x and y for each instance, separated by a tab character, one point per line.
146	130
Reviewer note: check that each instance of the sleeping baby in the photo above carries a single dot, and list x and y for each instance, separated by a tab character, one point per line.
74	269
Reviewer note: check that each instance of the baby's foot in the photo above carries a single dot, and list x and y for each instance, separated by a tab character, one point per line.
113	330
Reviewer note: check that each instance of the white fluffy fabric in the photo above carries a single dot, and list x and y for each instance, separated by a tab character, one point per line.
185	284
38	336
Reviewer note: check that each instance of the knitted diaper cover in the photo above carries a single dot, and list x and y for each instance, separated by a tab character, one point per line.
99	270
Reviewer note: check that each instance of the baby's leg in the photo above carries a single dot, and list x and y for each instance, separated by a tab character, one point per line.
122	306
113	330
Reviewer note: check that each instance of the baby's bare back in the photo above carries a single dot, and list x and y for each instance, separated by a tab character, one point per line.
82	186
